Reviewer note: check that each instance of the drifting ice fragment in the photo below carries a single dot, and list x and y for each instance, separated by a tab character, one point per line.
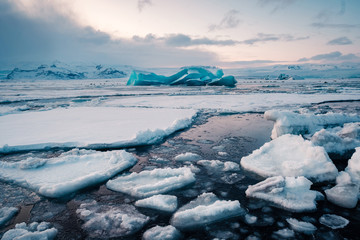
299	226
7	213
291	156
218	166
162	233
205	209
187	157
148	183
34	231
67	173
109	221
292	194
333	221
295	123
343	195
167	203
138	78
353	168
283	234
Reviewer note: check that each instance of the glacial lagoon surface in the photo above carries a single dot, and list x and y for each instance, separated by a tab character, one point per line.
97	159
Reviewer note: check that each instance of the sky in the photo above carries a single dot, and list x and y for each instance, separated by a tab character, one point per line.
174	33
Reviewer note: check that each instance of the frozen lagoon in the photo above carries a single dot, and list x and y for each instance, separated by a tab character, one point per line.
229	125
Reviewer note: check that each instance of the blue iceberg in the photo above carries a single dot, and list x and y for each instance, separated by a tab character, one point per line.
190	76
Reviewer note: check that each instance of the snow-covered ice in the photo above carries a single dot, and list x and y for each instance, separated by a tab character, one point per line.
162	233
300	226
90	127
167	203
290	193
343	195
33	231
187	157
333	221
205	209
218	166
353	168
67	173
295	123
109	221
152	182
6	214
290	156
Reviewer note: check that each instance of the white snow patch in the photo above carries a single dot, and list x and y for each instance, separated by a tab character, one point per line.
290	193
218	166
90	127
205	209
109	221
333	221
291	156
162	233
187	157
152	182
33	231
300	226
67	173
167	203
6	214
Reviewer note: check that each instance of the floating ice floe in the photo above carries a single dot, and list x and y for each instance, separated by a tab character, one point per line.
290	156
167	203
353	168
152	182
283	234
296	123
219	166
67	173
300	226
41	231
90	127
162	233
343	195
292	194
6	214
109	221
205	209
338	139
333	221
192	76
187	157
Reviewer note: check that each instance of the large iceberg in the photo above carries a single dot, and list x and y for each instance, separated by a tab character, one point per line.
152	182
31	231
109	221
192	76
290	156
90	127
205	209
67	173
289	193
296	123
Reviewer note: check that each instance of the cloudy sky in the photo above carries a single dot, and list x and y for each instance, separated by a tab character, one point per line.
172	33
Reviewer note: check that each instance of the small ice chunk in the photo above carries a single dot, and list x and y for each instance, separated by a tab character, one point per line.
6	214
205	209
41	231
292	194
187	157
250	219
291	156
219	166
152	182
283	234
67	173
345	195
300	226
109	221
353	168
333	221
162	233
167	203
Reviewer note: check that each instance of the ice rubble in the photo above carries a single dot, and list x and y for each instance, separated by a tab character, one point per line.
90	127
218	166
192	76
152	182
187	157
289	193
300	226
333	221
34	231
6	214
205	209
67	173
162	233
167	203
290	156
109	221
296	123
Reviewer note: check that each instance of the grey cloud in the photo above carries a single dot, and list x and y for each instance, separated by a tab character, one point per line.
262	38
340	41
332	56
276	4
143	3
230	20
335	25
